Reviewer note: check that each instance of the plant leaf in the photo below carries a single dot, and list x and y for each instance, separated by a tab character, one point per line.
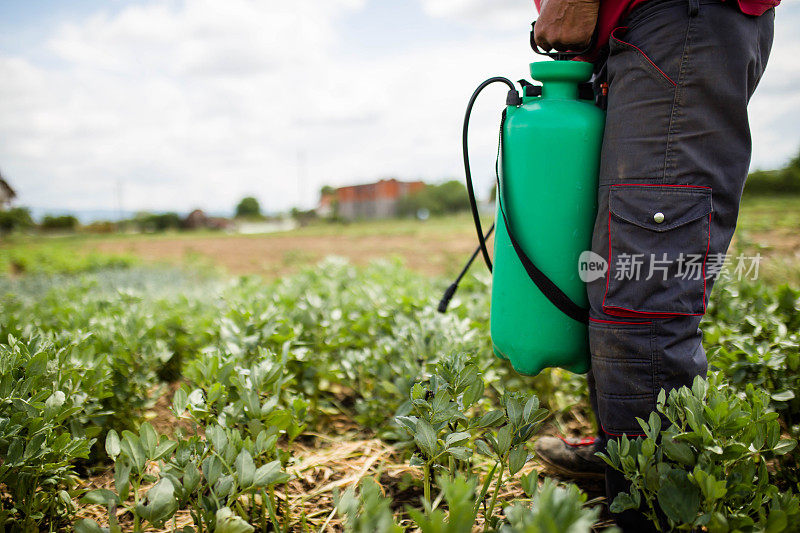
245	468
517	459
112	444
425	438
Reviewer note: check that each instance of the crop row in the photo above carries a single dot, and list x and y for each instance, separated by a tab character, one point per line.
254	366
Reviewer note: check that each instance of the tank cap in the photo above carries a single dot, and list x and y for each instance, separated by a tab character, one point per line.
571	71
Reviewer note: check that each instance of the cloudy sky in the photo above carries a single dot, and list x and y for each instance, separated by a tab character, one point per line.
171	105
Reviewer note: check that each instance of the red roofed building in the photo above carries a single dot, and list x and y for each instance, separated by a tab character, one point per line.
372	200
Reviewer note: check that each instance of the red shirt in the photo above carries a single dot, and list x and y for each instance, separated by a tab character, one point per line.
613	12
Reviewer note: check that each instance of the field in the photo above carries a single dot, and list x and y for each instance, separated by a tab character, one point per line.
208	382
767	226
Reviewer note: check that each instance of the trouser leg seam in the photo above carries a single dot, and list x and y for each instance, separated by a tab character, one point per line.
669	160
656	362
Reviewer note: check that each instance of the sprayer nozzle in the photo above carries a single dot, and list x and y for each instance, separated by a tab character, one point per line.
448	295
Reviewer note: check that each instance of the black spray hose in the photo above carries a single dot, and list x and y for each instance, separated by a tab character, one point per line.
451	290
514	99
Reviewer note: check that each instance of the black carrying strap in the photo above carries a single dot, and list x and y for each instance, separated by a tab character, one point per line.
544	284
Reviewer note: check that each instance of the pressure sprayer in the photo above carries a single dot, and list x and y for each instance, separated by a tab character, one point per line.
546	170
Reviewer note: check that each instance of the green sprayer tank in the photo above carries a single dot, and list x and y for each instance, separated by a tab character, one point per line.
548	167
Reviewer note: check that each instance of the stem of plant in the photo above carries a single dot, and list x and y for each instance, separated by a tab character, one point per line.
136	525
490	511
426	487
288	508
263	510
240	508
273	513
451	464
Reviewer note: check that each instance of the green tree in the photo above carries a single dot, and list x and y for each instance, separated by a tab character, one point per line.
785	180
158	221
439	199
450	197
15	219
59	223
248	207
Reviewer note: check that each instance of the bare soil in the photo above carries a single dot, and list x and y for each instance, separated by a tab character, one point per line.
278	255
430	253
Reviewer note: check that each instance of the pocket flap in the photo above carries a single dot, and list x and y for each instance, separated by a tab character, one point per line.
660	207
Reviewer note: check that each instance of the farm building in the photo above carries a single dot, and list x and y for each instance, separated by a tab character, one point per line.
7	194
197	219
371	200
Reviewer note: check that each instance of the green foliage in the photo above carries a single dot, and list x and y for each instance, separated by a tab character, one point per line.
15	219
708	468
752	330
554	509
752	333
210	476
248	207
254	398
119	337
366	511
38	400
303	216
448	429
57	258
59	223
157	222
459	494
259	364
439	199
775	182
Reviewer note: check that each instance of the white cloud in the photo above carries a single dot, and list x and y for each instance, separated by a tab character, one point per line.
204	103
186	106
197	103
503	14
775	108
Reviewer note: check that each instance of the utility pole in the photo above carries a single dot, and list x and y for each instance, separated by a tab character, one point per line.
120	215
301	177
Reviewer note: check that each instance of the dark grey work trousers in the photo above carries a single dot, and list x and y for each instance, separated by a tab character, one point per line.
675	157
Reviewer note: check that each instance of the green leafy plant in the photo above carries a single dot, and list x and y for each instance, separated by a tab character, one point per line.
459	494
223	471
709	467
447	430
366	510
553	509
752	331
268	364
255	397
37	449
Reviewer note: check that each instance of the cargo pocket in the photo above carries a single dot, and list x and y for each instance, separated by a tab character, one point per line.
639	59
659	236
626	375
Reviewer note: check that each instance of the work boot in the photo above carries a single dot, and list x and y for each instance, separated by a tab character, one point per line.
571	458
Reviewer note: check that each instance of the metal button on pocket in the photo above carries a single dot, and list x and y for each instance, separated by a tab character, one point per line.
659	217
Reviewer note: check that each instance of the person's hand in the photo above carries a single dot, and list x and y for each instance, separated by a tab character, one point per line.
566	24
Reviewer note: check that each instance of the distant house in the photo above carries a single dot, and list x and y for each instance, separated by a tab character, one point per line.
7	194
327	205
197	219
371	200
